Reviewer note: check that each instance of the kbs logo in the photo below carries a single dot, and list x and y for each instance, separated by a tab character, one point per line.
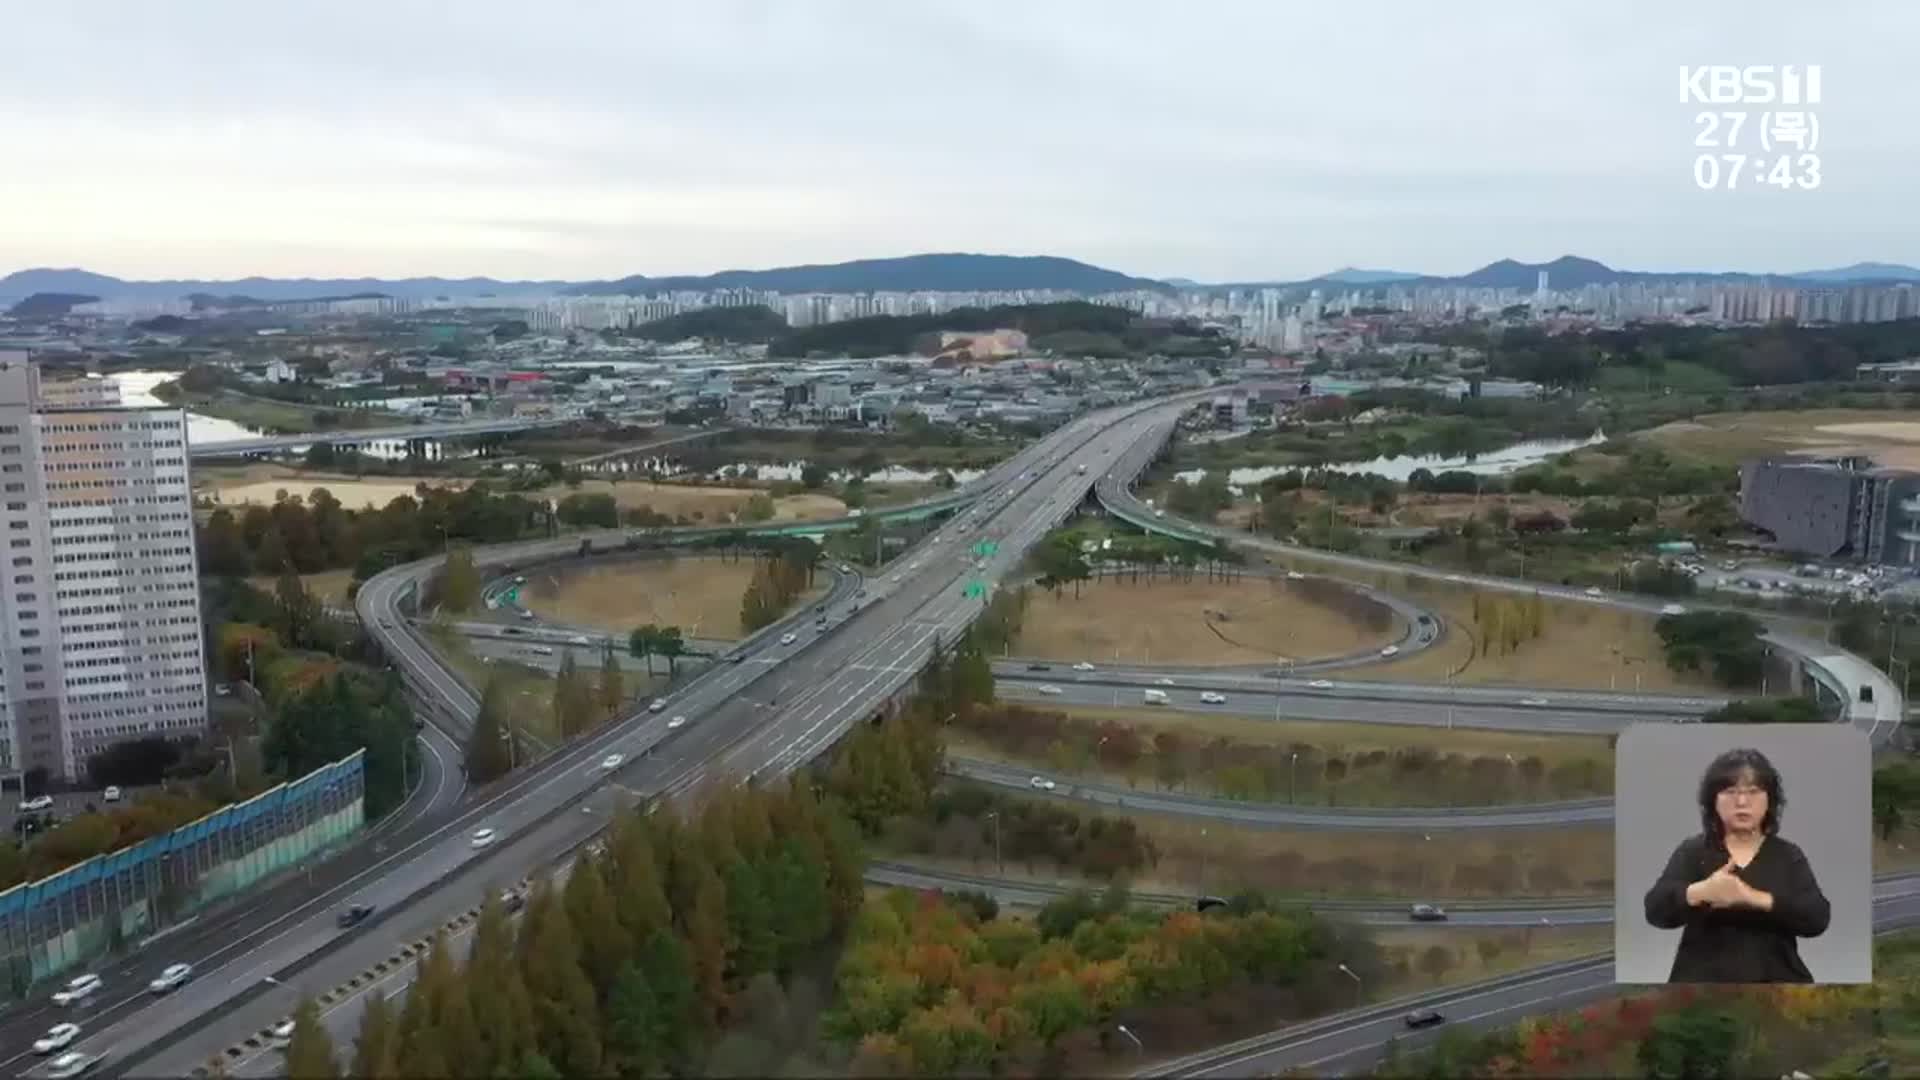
1760	84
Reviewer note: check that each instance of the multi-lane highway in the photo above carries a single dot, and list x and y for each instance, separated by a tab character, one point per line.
761	716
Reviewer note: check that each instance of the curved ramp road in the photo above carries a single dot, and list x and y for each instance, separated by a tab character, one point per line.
1263	815
744	719
1357	1039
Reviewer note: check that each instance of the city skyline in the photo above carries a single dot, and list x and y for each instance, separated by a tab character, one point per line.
1239	143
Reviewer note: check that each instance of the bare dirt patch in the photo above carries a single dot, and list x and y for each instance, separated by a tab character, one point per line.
1183	623
699	595
707	504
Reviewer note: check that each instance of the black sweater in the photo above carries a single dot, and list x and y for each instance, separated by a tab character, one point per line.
1740	945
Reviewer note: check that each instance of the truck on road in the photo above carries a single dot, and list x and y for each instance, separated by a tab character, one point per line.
1154	697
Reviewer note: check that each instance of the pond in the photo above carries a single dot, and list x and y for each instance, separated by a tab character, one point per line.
1492	463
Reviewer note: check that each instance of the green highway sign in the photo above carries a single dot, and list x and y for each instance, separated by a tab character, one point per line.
985	548
975	590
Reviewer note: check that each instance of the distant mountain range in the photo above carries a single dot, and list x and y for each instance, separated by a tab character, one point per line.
913	273
1573	272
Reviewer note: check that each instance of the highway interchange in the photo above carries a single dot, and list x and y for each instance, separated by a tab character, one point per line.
760	717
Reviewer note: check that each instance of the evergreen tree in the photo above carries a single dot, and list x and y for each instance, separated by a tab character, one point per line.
633	1025
565	1019
750	923
310	1051
668	969
605	947
459	581
612	691
568	699
639	899
375	1053
501	1010
488	755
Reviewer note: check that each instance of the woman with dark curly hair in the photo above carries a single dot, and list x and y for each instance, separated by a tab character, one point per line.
1744	893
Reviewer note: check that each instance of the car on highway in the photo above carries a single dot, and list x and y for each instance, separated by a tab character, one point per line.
281	1032
1673	609
1049	689
513	900
484	838
1083	666
72	1063
354	915
1321	684
1592	590
57	1038
173	978
525	614
1041	783
676	723
386	624
112	794
580	639
613	761
514	630
1295	575
788	639
657	705
1533	702
1163	681
1039	667
1427	913
78	989
1421	1018
1210	697
36	804
1391	650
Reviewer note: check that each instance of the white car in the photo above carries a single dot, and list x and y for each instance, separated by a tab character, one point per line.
1673	609
1391	650
581	639
1049	689
1083	666
57	1038
282	1031
78	989
484	838
173	978
1533	702
613	761
1211	698
72	1063
1321	684
788	639
1041	783
112	794
36	804
1163	681
658	705
1295	575
676	723
1592	590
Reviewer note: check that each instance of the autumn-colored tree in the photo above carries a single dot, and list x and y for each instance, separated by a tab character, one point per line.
376	1053
310	1050
565	1018
611	691
488	754
605	947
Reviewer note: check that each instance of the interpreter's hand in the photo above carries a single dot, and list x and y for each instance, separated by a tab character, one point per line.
1720	889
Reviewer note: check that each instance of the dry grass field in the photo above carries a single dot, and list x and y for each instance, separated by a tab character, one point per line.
699	595
1891	437
1249	620
328	586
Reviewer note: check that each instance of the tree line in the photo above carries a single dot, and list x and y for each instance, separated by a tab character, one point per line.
656	943
780	578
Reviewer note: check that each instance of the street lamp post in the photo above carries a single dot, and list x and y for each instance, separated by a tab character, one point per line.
1138	1046
998	858
1358	987
1293	775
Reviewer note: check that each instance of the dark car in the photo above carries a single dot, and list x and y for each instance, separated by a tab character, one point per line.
1039	667
1420	1018
513	900
355	915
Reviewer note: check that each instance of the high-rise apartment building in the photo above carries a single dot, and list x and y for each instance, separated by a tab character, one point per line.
100	636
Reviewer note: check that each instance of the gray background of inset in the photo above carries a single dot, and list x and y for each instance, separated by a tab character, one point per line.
1826	772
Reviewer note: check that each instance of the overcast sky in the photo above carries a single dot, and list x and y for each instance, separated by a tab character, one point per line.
1268	139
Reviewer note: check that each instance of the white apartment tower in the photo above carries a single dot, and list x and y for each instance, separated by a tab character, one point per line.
100	634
